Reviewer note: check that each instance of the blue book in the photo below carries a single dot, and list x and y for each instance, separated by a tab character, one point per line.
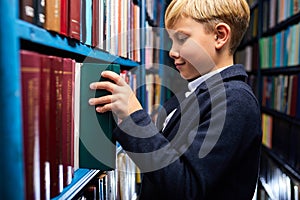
89	20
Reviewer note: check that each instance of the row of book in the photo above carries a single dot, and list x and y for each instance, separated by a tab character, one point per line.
281	49
282	138
281	94
61	131
153	90
252	30
276	11
248	57
110	25
275	182
118	184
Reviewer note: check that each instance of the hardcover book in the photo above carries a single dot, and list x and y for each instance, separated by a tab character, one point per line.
26	10
96	148
74	19
30	75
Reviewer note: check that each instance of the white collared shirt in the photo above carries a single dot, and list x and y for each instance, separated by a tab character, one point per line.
192	86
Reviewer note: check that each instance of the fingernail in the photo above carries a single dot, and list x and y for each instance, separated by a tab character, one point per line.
91	101
92	86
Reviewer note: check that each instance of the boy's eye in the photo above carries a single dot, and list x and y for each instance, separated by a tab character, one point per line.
180	37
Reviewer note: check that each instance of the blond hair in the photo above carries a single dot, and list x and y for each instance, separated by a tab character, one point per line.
235	13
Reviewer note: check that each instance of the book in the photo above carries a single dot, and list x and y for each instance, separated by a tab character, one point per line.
53	15
64	17
45	127
39	13
26	10
96	148
55	142
30	76
74	19
67	122
95	25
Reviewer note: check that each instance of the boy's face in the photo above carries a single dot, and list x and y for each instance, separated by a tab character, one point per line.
192	48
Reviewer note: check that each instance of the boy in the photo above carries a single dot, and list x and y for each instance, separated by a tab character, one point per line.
206	142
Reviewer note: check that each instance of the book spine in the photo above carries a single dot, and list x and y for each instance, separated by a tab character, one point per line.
40	12
67	118
30	75
95	25
55	146
53	13
45	127
74	19
27	10
64	16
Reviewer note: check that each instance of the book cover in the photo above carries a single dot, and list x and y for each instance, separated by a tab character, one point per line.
74	19
30	76
26	9
96	148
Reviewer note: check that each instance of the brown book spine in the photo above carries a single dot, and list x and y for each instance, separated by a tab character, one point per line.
45	127
26	10
74	21
55	146
30	76
52	22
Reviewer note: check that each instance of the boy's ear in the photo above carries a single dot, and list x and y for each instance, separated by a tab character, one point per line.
222	35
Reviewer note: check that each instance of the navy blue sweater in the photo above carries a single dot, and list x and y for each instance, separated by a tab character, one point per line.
210	148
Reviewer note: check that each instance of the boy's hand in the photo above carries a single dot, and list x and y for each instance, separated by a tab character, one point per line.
122	100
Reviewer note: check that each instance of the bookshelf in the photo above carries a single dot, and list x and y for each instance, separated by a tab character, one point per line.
16	34
276	74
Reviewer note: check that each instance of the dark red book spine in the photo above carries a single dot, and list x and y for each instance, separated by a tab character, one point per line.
95	25
30	76
64	17
74	21
45	127
67	89
55	146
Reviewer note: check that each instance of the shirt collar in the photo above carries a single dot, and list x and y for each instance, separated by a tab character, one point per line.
192	86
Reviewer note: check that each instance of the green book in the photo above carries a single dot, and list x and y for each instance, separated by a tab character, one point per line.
97	150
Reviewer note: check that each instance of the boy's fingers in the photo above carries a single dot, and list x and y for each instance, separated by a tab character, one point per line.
103	85
101	100
116	78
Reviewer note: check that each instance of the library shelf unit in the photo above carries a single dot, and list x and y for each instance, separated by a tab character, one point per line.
16	34
278	47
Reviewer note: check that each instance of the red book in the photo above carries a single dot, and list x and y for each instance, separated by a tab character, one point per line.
74	21
67	93
55	146
64	17
95	25
30	76
45	127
